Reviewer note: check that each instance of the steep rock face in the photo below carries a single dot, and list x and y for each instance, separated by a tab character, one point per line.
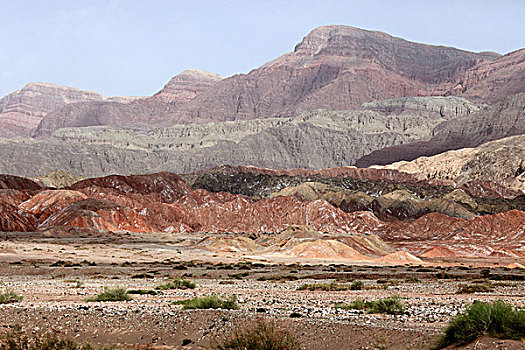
140	113
336	68
437	107
333	68
502	119
185	86
22	110
492	81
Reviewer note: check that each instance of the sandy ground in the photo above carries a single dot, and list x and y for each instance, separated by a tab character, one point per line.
54	294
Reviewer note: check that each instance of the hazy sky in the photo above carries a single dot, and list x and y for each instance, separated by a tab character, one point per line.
132	48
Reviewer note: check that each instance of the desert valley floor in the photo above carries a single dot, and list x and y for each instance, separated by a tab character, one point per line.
56	275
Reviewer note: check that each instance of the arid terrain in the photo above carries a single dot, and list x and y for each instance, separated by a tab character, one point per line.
56	274
263	236
360	192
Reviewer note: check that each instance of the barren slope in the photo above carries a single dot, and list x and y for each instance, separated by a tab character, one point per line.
22	110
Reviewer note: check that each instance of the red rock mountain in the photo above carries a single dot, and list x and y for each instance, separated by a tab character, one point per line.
333	68
140	113
22	110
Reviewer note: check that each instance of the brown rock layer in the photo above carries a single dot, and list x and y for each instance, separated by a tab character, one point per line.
140	113
22	111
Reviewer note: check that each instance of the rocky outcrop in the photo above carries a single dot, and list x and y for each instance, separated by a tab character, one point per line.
46	203
301	224
492	81
477	237
22	110
58	179
18	183
14	221
239	214
399	204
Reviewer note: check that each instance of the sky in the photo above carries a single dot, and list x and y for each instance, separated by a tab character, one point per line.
132	48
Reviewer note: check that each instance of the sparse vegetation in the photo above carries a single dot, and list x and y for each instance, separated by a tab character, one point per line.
475	288
112	294
497	319
10	296
210	302
262	335
16	339
62	263
390	305
357	285
178	283
239	276
280	278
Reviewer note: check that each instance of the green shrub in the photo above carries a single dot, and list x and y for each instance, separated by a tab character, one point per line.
239	276
474	288
112	294
357	285
209	302
357	304
390	305
178	283
497	319
262	335
10	296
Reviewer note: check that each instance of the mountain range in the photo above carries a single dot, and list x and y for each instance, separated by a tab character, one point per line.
344	96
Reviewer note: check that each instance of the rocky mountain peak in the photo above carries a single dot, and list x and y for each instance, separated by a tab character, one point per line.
325	36
186	85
